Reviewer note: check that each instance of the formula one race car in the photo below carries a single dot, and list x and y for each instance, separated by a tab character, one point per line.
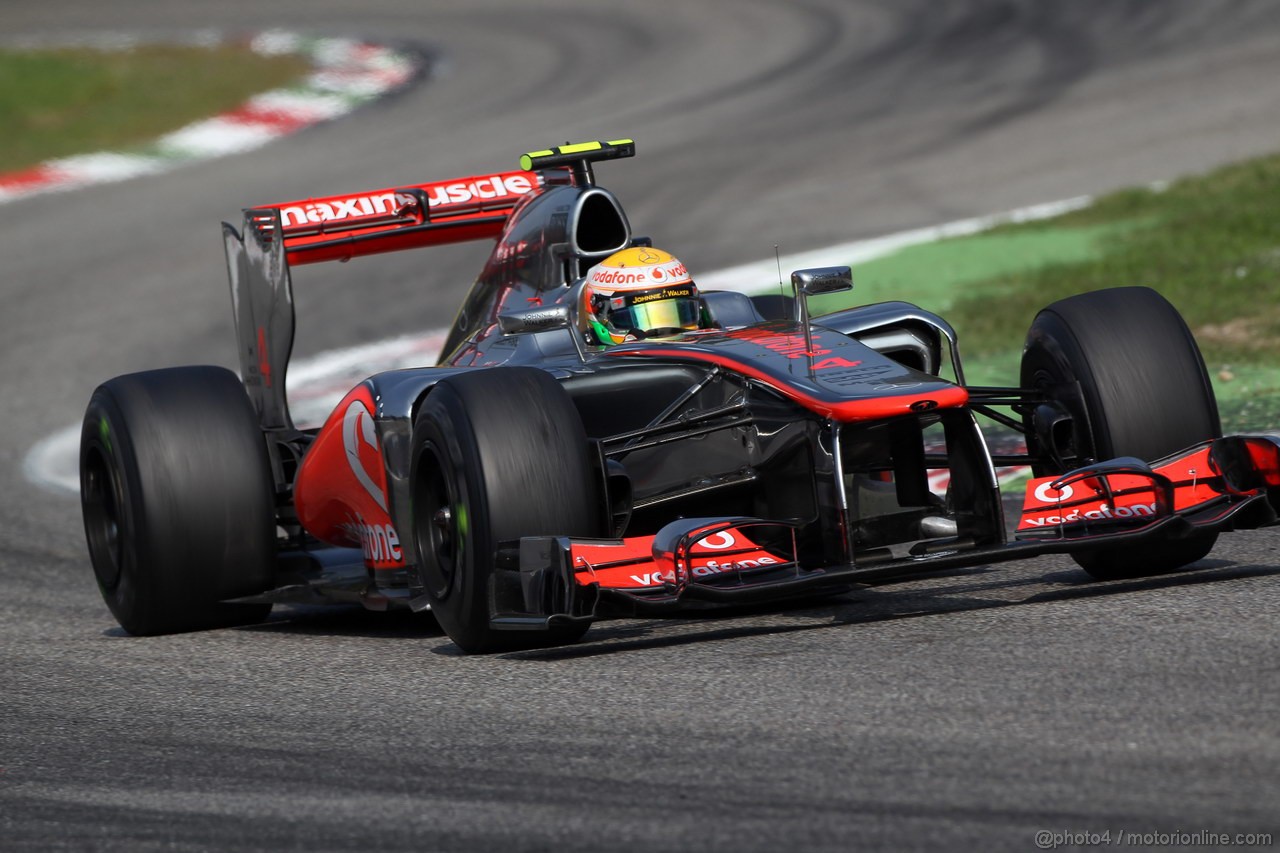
538	478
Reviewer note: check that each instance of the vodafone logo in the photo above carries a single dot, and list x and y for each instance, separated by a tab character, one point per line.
358	434
670	272
1046	493
718	541
674	271
379	542
610	276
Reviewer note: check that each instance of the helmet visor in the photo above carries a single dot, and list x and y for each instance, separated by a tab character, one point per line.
667	314
666	308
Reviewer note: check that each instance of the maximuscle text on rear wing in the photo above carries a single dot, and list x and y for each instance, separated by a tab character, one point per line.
338	228
341	227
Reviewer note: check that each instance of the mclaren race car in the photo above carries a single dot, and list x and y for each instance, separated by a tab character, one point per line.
536	480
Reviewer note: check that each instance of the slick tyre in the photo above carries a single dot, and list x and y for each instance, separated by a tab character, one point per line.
497	454
1143	391
177	498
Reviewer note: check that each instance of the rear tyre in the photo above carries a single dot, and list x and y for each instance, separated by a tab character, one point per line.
177	497
1144	392
497	454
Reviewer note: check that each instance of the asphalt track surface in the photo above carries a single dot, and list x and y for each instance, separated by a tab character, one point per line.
957	711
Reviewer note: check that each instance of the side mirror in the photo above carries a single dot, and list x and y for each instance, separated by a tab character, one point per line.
818	280
529	320
812	282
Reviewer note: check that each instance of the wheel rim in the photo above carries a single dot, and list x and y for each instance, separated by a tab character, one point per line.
102	503
440	524
1077	446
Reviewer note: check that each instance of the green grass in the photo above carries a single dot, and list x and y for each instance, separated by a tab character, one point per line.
55	103
1209	243
937	275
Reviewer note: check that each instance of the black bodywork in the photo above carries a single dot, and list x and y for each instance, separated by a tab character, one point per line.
732	425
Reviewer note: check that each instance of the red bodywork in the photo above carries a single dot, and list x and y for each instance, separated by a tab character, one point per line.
1059	507
629	563
341	489
1188	482
340	227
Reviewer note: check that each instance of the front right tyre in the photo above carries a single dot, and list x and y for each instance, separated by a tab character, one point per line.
1143	391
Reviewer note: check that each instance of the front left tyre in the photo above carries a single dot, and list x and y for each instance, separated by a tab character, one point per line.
498	454
177	497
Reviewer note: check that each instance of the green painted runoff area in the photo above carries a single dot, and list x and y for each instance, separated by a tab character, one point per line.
935	275
987	266
1209	243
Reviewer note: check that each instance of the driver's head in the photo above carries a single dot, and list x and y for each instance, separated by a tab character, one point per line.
639	293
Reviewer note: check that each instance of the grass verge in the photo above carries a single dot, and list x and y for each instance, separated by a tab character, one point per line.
59	102
1209	243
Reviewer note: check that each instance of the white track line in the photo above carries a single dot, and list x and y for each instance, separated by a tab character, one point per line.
315	387
763	275
345	74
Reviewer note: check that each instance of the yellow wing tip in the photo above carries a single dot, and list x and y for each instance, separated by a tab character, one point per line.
532	159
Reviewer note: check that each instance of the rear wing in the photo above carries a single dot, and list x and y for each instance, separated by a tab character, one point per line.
340	227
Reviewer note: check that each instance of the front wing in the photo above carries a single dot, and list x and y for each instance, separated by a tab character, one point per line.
1220	485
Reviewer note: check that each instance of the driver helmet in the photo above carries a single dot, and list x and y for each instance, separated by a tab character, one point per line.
639	293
